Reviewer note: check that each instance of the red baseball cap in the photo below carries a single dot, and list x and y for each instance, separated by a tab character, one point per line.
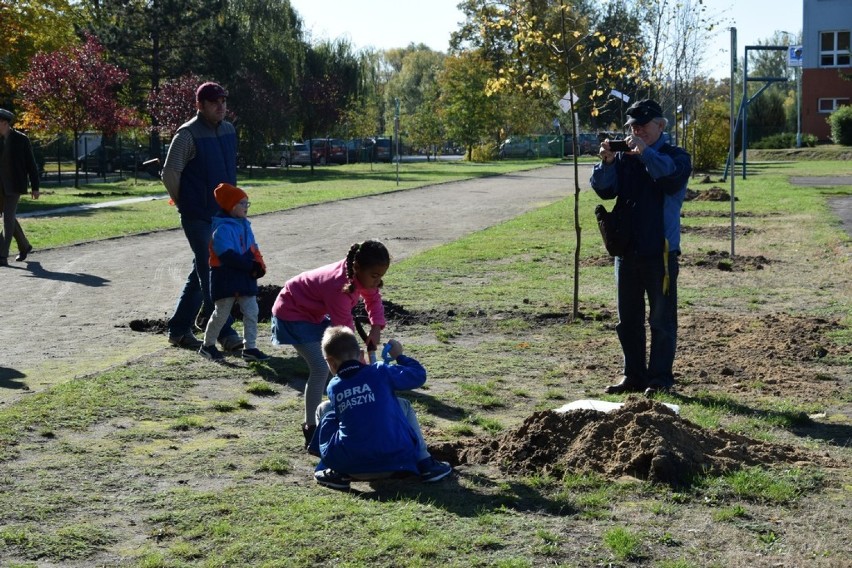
210	91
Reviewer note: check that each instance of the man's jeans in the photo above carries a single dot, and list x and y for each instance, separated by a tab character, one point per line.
195	295
635	278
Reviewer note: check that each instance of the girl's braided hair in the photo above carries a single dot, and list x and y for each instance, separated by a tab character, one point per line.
367	254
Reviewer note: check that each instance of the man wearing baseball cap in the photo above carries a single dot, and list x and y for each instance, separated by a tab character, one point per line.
649	180
202	154
17	165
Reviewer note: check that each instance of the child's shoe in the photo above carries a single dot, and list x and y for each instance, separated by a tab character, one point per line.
210	352
330	478
432	470
254	354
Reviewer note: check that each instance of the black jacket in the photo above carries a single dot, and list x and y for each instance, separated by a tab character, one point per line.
17	163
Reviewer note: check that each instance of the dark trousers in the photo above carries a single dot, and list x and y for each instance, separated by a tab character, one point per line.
638	278
11	227
195	295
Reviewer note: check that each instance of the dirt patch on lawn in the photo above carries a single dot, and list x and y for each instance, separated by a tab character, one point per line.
643	439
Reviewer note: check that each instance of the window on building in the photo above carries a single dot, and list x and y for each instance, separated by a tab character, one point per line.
831	105
834	49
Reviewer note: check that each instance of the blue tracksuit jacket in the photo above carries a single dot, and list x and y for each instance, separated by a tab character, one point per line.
367	431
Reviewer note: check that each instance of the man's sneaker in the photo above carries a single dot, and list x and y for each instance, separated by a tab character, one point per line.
330	478
432	470
231	342
210	352
254	354
187	341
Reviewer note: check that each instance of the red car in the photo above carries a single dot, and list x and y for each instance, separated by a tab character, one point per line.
328	151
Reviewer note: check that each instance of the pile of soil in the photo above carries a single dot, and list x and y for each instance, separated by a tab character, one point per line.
643	439
714	193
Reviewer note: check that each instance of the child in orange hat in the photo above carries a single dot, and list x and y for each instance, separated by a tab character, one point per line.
235	266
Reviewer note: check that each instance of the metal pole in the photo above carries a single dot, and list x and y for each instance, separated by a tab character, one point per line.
799	107
745	110
396	135
733	132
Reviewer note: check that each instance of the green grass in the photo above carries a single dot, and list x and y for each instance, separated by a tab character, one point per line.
270	190
168	461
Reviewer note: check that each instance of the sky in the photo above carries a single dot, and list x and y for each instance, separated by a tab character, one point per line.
385	24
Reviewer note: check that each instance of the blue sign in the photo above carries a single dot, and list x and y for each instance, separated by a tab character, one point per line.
794	56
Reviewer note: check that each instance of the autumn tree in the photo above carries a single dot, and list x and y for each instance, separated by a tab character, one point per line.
424	126
549	50
468	115
74	90
253	47
28	27
172	103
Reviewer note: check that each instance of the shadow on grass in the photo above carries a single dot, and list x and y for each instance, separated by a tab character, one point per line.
283	370
437	407
450	495
796	422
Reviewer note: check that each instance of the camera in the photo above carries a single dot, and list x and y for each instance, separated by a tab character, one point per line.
618	146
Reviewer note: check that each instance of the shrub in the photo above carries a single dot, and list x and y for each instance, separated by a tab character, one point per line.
784	140
841	125
712	128
484	152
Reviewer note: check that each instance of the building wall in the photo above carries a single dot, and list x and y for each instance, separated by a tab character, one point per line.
822	82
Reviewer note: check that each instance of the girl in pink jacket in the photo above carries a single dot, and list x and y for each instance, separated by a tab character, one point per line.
319	298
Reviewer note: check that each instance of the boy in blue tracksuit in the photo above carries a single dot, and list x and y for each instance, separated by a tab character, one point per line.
365	431
235	266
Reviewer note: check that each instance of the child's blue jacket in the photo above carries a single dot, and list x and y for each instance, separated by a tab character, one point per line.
367	431
233	252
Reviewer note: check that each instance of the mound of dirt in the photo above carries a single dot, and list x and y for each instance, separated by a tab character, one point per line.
714	193
643	439
722	260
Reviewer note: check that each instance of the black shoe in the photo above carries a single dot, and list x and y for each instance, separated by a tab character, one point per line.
330	478
627	384
3	261
22	255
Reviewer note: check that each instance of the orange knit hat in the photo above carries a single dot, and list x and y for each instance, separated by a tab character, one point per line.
227	196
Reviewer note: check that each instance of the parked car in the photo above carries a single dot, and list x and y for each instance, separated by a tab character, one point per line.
382	150
328	151
531	147
589	143
277	155
299	154
107	159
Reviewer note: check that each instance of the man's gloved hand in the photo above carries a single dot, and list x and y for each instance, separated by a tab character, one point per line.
257	270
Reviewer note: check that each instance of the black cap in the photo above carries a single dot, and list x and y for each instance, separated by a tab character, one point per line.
7	115
643	112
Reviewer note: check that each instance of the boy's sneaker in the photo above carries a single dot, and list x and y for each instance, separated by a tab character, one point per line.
210	352
187	341
432	470
254	354
330	478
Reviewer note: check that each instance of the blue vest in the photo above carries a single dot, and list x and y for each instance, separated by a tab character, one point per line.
215	162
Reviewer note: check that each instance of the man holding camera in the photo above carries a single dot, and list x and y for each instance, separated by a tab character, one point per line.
649	178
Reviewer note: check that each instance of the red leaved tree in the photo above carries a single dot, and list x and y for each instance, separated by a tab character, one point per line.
172	103
74	90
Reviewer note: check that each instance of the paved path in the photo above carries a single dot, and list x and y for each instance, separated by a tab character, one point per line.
65	310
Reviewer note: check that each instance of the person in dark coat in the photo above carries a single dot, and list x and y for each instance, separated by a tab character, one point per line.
17	165
649	178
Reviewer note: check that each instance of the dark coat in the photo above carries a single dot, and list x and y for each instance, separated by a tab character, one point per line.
17	164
